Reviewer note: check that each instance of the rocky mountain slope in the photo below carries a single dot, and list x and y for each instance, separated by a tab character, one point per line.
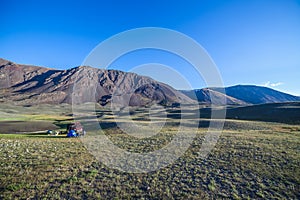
252	94
24	84
205	95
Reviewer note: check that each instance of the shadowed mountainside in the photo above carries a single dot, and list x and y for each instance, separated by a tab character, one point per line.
24	84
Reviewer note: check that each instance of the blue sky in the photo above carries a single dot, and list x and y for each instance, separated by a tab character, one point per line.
251	42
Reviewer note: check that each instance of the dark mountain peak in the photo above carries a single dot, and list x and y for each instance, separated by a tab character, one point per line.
4	62
12	73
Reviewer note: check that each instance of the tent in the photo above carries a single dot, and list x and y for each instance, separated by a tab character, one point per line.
72	133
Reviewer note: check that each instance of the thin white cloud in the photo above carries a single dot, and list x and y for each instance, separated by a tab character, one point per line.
269	84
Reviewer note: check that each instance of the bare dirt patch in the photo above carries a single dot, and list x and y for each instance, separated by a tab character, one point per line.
25	126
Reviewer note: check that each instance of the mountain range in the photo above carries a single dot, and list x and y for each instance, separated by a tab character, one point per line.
241	95
30	85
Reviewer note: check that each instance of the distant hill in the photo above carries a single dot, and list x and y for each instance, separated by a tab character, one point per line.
258	95
241	95
25	84
219	98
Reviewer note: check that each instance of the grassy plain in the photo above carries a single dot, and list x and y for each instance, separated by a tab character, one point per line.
252	160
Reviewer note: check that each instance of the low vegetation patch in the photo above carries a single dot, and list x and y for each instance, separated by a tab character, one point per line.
243	165
247	163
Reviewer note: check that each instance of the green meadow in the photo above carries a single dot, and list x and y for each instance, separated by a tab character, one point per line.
251	160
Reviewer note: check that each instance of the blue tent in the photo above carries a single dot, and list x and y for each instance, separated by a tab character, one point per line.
71	133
